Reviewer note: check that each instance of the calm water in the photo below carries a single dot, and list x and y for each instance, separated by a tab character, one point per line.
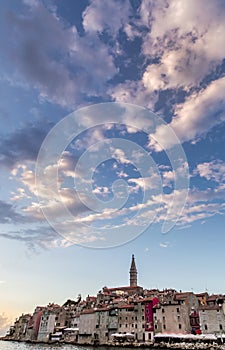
7	345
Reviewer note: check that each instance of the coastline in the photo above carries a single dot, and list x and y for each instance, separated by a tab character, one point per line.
181	345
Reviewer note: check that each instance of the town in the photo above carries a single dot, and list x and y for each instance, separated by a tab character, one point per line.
127	314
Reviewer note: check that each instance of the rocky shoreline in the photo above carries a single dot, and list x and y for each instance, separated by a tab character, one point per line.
183	345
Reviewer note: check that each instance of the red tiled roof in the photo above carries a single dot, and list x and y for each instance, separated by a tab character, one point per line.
128	306
204	294
214	297
102	309
182	296
208	307
123	288
88	311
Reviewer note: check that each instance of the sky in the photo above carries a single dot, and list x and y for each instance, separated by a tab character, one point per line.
112	142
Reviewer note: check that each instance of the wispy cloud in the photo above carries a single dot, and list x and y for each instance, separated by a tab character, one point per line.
164	244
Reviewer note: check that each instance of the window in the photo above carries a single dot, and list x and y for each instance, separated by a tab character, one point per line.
163	311
143	317
180	326
221	327
97	326
178	317
178	310
164	319
126	324
206	327
135	318
164	326
136	326
132	325
156	326
149	336
143	326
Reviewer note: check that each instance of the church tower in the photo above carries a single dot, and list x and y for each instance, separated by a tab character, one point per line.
133	273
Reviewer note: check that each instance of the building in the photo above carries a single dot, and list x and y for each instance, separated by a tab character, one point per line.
48	322
212	315
20	327
125	314
87	327
34	323
173	315
133	273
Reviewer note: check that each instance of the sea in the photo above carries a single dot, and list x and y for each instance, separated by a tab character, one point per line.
7	345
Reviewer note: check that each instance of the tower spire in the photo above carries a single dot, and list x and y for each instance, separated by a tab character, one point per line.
133	273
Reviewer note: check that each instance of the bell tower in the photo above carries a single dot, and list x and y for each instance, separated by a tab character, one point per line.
133	273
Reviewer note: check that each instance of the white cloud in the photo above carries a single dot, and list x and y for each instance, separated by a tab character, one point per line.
101	190
145	183
119	155
91	140
214	170
133	92
164	244
188	39
106	15
197	115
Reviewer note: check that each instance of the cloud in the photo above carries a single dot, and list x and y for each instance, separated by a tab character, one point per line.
103	15
42	237
145	183
70	200
119	156
4	324
164	244
214	170
187	41
8	214
23	144
90	139
54	59
199	113
133	92
184	48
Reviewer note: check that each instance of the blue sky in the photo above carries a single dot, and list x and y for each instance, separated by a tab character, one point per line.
112	137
